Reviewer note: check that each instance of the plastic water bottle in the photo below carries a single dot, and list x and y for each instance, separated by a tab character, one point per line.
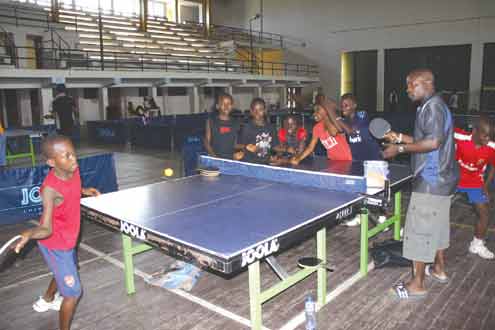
310	311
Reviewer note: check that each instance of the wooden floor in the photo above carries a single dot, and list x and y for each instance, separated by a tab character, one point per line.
466	302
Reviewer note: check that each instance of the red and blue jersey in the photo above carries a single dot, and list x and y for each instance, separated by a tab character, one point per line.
472	160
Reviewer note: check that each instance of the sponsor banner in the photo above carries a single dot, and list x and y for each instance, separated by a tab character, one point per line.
20	198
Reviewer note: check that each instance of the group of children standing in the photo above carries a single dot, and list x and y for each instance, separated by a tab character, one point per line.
344	138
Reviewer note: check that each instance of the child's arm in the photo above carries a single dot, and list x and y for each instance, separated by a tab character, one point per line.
207	141
90	192
309	149
44	230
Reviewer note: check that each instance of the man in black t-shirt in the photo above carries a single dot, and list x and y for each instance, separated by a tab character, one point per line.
63	107
221	130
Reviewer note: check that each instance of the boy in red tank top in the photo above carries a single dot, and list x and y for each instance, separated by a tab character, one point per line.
59	226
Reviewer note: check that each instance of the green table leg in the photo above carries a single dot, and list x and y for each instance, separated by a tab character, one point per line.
255	300
129	250
397	215
363	265
128	264
31	150
321	252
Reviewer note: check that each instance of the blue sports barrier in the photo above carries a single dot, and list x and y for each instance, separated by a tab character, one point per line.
192	148
20	198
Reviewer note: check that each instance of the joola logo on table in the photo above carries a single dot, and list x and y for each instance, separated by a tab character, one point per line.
132	230
344	213
259	252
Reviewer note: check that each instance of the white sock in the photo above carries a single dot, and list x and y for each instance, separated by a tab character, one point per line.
477	241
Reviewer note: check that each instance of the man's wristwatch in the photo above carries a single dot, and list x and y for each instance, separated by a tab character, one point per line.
401	149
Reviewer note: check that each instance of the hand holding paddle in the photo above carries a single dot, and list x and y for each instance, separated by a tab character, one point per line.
381	129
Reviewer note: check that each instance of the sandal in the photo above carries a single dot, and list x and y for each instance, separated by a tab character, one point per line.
400	291
440	279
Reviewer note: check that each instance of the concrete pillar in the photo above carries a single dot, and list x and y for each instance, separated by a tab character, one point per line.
3	109
154	95
476	76
195	100
103	102
164	100
46	95
258	91
24	107
283	97
380	80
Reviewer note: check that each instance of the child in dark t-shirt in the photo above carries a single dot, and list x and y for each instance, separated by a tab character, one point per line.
222	130
356	125
258	138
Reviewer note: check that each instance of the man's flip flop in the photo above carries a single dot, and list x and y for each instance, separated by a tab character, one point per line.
440	279
400	291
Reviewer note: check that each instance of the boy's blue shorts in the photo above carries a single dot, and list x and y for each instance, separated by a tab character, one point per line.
475	195
63	265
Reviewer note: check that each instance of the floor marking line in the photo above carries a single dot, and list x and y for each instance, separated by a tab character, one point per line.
210	306
301	318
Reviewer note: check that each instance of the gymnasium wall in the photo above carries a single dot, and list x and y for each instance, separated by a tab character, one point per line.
331	27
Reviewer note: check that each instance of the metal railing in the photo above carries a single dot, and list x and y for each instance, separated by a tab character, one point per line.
63	58
62	53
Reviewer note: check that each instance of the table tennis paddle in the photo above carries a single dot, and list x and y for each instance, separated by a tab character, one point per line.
311	262
7	251
379	127
209	171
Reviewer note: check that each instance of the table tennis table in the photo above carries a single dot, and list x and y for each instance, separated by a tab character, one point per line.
30	135
247	214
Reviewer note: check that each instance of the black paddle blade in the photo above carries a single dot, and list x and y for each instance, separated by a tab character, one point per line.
379	127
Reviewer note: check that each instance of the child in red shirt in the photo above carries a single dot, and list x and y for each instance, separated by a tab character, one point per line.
329	132
59	227
292	137
473	153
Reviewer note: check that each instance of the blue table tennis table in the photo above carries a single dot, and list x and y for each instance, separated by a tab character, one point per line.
247	214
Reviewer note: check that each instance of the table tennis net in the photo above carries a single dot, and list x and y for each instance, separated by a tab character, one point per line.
318	179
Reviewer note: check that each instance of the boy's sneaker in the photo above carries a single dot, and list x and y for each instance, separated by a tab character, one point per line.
356	221
478	247
41	305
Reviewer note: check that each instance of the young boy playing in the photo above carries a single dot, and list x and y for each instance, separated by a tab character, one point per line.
329	131
221	130
473	153
258	138
355	124
58	230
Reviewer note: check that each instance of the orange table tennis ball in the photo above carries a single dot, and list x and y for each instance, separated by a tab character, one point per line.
168	172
